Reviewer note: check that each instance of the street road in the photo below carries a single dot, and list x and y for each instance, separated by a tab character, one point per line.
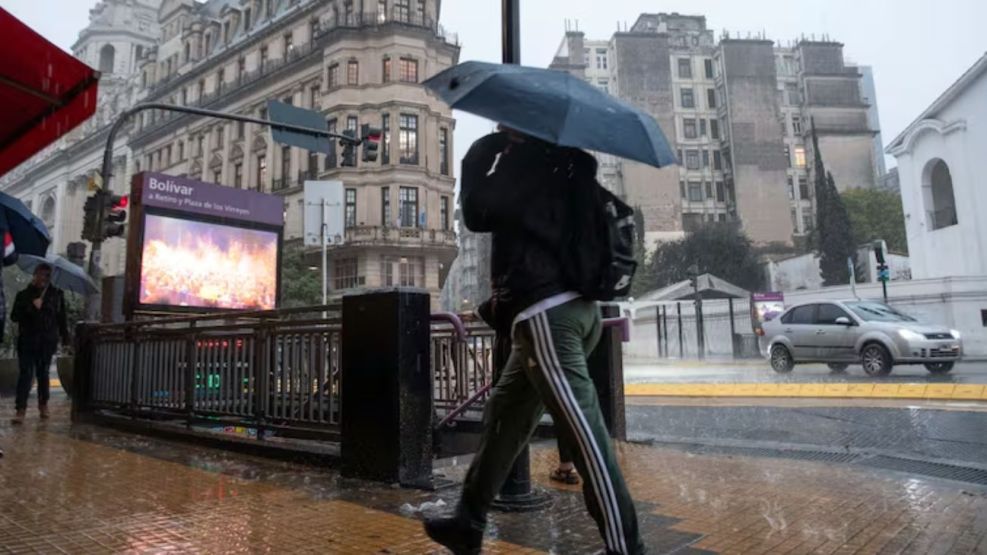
759	372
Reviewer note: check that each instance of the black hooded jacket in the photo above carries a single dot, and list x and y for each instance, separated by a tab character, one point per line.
518	192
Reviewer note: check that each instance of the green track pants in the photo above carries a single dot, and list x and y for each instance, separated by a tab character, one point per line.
547	367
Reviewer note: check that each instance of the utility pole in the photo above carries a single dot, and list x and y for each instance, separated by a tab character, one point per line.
698	301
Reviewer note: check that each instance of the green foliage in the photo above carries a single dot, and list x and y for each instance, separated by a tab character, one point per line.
300	285
720	249
833	233
877	214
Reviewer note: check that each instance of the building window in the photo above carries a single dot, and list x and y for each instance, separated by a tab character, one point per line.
708	64
791	188
241	129
685	68
402	10
331	155
408	206
408	70
444	151
349	218
601	58
385	70
444	212
720	193
702	127
353	72
200	150
181	150
381	11
682	189
332	76
692	159
313	97
217	176
289	43
261	171
604	85
408	139
246	19
807	220
695	191
714	129
717	158
792	94
219	136
804	192
352	122
285	167
800	157
420	11
385	206
403	271
788	155
937	190
313	164
689	128
313	28
241	69
795	221
797	126
263	57
705	158
345	273
688	98
711	98
238	175
262	112
385	139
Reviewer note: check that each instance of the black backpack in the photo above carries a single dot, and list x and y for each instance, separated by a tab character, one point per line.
600	261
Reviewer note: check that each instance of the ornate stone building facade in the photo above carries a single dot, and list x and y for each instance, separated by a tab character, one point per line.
356	62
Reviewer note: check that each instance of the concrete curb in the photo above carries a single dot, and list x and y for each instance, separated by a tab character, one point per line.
955	392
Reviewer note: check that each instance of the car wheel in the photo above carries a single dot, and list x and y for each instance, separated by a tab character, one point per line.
939	367
781	359
838	367
876	360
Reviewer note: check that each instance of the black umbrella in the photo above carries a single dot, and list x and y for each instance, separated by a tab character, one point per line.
556	107
29	233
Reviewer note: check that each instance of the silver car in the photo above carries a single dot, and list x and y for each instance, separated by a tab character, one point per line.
866	332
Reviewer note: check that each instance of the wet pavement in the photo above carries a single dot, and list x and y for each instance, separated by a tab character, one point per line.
84	489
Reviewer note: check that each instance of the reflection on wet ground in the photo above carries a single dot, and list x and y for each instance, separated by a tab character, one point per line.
90	490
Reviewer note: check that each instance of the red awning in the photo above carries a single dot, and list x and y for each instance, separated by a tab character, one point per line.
44	92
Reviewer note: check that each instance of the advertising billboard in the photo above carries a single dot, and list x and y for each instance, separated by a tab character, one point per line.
197	246
764	307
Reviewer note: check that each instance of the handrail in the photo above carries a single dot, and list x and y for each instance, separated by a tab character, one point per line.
454	319
462	408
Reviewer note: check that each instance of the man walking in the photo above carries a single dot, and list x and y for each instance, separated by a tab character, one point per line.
519	188
39	311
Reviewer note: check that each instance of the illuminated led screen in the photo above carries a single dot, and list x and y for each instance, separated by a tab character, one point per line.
197	264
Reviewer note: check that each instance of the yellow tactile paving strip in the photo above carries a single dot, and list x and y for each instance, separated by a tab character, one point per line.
954	392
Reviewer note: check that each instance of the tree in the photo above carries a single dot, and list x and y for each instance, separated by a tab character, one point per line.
301	285
721	249
834	235
877	214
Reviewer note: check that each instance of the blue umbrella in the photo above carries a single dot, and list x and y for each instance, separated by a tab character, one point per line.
556	107
64	274
29	233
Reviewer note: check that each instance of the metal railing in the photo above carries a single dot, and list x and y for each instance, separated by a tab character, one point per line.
277	370
401	235
462	369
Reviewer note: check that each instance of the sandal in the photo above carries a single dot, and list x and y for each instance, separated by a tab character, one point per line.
570	476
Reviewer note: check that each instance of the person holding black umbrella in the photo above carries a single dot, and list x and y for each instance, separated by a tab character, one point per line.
525	192
39	310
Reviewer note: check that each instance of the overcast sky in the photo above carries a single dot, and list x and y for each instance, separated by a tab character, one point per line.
916	47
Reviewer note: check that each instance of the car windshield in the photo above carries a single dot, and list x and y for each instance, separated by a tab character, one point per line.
878	312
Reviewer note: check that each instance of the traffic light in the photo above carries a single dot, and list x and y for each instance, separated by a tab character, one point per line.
90	221
349	149
880	248
114	215
370	137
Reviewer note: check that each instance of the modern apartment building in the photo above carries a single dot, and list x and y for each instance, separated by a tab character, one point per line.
739	111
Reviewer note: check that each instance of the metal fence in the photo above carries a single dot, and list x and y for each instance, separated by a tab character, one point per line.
271	371
462	370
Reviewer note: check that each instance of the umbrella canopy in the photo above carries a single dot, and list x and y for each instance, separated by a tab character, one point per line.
64	274
29	233
44	92
556	107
